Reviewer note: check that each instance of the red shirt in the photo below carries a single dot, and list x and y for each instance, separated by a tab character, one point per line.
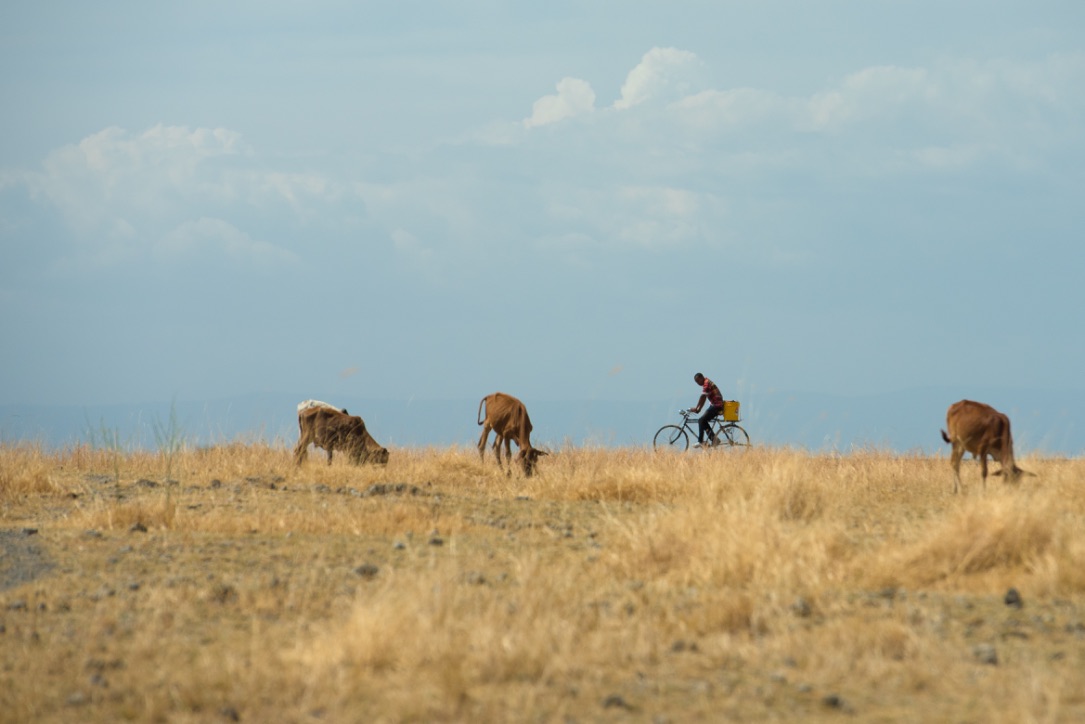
712	393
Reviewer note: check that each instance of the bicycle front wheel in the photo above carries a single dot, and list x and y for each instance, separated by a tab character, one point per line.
671	437
732	436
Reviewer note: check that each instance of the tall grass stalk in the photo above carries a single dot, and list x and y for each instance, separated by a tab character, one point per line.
109	439
169	439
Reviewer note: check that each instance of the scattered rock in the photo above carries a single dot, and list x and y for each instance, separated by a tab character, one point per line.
1013	598
230	713
103	592
145	483
30	531
367	570
224	593
986	654
615	701
801	607
436	541
390	488
138	527
834	701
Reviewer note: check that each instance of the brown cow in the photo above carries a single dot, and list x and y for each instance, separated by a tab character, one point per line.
981	430
333	429
508	418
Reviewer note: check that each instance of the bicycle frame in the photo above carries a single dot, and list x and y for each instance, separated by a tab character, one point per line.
725	434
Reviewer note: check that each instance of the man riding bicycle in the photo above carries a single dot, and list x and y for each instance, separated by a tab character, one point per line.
715	406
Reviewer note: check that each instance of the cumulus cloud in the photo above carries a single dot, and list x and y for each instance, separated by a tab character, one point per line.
869	93
663	73
170	190
648	217
575	97
734	109
197	238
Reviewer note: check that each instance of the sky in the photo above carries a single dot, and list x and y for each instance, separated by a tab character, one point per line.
564	200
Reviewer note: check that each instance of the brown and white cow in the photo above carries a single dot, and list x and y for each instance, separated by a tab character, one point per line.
981	430
508	418
333	429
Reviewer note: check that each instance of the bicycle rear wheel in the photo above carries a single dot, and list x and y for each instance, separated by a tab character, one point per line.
671	437
732	437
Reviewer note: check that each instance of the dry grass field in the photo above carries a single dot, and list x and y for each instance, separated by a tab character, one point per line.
225	584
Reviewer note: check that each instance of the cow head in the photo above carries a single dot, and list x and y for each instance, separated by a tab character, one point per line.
364	449
361	445
376	456
1012	474
527	459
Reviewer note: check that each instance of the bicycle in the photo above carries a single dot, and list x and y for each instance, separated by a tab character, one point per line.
723	429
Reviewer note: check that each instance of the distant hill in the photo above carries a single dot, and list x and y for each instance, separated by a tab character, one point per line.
1043	422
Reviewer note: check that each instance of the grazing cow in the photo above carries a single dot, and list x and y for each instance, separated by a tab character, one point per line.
507	417
981	430
333	429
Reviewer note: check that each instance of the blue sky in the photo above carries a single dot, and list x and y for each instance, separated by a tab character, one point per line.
570	200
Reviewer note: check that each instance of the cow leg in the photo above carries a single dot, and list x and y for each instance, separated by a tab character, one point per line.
482	442
508	455
497	449
301	450
983	467
955	461
331	449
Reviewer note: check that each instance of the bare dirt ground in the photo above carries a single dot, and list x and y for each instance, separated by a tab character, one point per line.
612	587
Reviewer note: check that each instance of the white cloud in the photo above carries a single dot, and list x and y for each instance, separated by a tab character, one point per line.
115	174
170	189
198	238
648	217
715	110
882	91
663	73
575	97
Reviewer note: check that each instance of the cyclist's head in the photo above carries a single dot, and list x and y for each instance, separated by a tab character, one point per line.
698	378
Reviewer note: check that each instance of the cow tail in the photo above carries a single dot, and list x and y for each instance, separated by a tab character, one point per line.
945	436
480	404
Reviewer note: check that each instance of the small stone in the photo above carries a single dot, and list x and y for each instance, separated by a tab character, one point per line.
1013	598
367	570
801	607
833	701
615	701
986	654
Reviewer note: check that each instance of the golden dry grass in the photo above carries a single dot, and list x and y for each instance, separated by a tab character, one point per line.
615	585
